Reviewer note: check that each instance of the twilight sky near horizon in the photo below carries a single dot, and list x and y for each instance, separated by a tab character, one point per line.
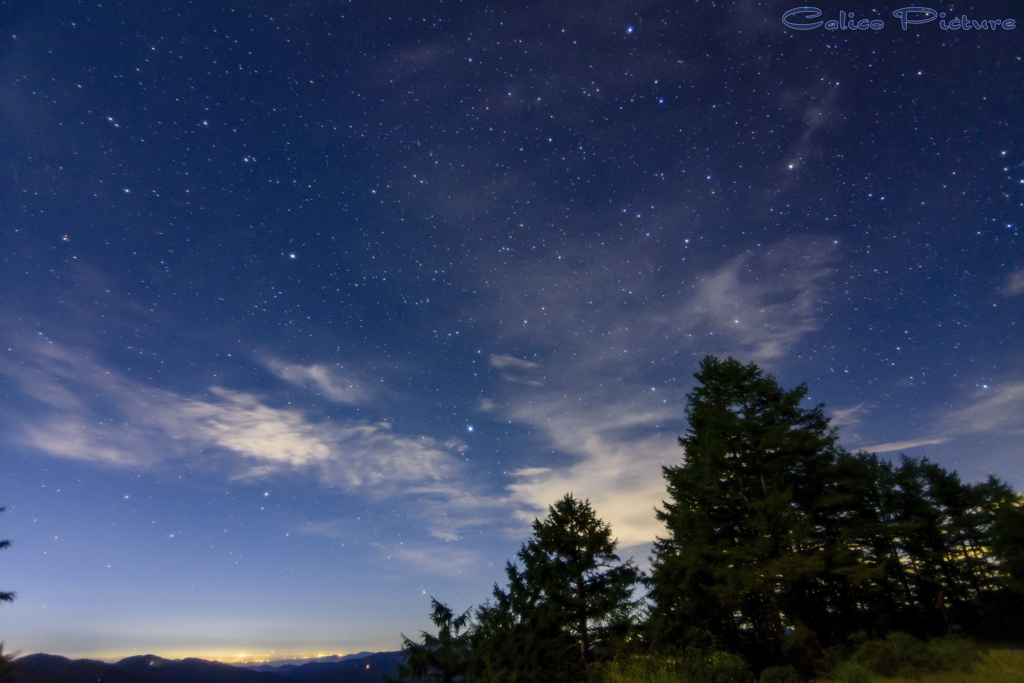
309	308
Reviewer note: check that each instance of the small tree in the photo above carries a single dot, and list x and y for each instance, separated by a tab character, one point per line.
5	597
443	658
553	618
571	559
5	660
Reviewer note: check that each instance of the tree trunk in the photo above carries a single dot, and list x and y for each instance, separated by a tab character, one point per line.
582	619
776	617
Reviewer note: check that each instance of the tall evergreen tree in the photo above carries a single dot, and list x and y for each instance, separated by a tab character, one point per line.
747	519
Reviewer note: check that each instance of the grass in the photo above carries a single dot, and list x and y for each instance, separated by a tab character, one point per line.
947	660
896	659
692	666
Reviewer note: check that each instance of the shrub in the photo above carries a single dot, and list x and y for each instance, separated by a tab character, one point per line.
899	654
723	667
903	655
851	672
691	666
780	674
954	653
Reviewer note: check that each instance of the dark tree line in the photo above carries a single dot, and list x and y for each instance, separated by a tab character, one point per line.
773	527
779	545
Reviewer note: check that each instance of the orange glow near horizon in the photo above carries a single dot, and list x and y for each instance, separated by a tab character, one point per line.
235	656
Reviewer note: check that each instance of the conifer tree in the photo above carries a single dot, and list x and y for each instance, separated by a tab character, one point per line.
552	619
443	658
772	527
1009	541
747	516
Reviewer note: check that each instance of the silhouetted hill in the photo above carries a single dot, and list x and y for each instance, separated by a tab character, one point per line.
43	668
191	669
278	663
368	669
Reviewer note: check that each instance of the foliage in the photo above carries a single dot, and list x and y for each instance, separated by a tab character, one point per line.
5	597
774	529
1008	541
899	654
443	658
566	607
780	674
851	672
749	542
955	660
692	665
783	553
5	660
1000	665
6	666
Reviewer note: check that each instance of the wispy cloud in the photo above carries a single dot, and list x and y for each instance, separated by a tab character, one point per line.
615	379
511	363
820	111
998	408
902	445
442	560
503	362
848	417
993	409
94	414
1014	284
331	380
761	305
622	478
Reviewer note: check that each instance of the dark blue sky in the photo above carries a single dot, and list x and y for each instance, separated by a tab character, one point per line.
309	308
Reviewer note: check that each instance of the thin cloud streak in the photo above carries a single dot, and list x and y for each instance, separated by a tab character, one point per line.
440	560
227	429
902	445
998	409
848	417
331	382
502	362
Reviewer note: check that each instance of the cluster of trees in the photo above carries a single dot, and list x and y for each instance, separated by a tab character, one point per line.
773	527
779	545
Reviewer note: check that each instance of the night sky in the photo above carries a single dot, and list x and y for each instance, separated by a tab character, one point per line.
307	309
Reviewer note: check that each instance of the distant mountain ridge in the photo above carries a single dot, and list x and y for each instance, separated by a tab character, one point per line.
299	661
44	668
